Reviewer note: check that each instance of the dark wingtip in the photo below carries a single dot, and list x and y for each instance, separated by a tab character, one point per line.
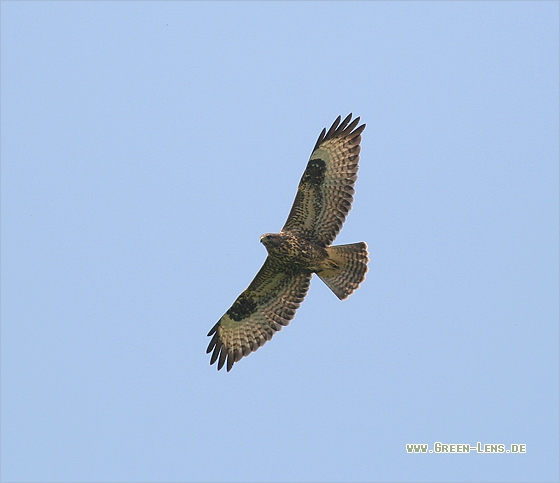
222	358
212	344
213	329
230	361
341	129
214	355
333	128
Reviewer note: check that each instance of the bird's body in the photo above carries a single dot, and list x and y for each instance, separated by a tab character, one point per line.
290	251
302	247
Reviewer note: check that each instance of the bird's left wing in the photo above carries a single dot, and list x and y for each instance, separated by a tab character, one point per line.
325	192
269	303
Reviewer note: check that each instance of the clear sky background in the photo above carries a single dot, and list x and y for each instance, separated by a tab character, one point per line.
145	149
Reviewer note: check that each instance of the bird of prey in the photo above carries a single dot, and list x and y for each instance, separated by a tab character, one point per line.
302	248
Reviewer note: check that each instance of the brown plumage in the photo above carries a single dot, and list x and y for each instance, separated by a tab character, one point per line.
323	200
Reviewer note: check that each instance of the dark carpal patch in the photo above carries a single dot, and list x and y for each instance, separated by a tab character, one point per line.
242	308
315	172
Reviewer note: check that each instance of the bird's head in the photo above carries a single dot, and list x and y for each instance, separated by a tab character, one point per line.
272	240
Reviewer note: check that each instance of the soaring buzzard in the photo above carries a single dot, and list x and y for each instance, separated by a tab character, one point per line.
302	248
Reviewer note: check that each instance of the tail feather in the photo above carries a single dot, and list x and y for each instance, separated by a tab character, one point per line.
345	269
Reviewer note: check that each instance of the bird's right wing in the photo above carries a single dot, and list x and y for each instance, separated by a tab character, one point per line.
270	302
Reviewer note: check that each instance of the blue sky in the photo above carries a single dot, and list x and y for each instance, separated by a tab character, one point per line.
147	146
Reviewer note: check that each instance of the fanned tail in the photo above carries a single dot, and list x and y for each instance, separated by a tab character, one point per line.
345	268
